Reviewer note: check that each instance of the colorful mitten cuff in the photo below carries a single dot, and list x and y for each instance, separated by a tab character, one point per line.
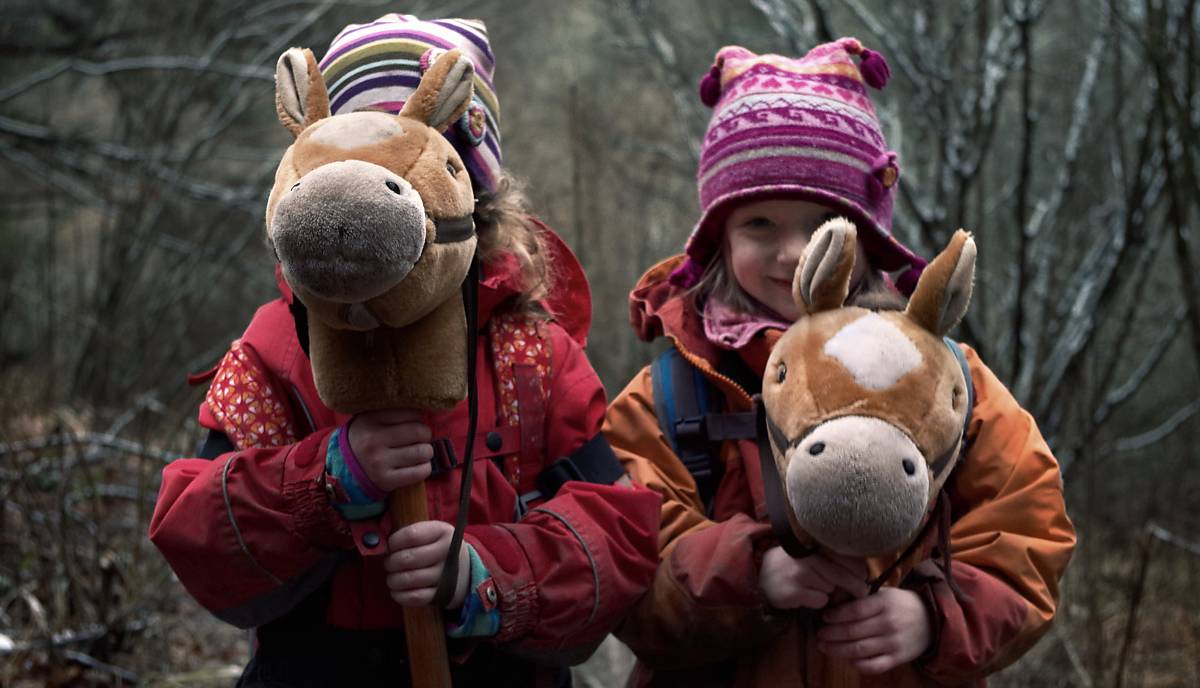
365	500
480	617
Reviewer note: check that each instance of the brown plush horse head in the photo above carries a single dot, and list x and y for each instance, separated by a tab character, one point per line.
370	219
866	409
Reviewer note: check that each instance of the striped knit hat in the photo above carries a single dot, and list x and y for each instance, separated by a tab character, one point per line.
798	128
378	65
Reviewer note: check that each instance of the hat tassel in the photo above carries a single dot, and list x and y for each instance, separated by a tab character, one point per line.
710	86
874	68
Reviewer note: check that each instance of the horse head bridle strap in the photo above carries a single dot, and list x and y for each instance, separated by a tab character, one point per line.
773	487
453	229
449	581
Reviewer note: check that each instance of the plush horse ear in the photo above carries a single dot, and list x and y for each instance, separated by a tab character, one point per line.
300	94
444	92
822	278
944	290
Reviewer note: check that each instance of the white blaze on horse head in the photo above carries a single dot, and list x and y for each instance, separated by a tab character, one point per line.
874	351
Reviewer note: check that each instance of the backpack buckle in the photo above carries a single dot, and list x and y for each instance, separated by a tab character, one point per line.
524	501
444	459
692	427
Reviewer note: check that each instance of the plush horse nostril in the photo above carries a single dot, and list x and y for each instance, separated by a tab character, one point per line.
909	467
817	448
393	186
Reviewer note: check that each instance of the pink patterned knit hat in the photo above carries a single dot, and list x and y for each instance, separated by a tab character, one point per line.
798	128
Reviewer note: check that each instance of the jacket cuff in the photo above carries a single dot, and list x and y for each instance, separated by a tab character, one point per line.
354	496
515	591
308	495
479	616
978	634
922	580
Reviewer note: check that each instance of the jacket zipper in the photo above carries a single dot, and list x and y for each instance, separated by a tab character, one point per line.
704	367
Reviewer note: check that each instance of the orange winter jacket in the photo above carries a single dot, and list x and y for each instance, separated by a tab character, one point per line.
704	623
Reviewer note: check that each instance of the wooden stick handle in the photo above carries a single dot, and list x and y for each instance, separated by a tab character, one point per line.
835	672
427	659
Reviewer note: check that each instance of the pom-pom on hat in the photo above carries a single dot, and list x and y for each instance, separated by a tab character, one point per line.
378	66
798	128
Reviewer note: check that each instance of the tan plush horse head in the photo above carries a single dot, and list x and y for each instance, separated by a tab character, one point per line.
371	221
866	409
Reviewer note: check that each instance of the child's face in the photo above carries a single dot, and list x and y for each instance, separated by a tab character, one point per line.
764	243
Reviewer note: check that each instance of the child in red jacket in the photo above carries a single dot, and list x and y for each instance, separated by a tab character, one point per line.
279	523
792	143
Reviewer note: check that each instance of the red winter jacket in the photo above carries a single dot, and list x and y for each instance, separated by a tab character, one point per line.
252	533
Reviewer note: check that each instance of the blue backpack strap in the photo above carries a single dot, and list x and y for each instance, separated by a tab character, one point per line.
689	414
966	371
942	461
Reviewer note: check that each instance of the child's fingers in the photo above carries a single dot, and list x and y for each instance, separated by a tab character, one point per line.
850	631
837	576
414	598
395	478
416	557
876	665
409	456
855	610
408	581
808	598
855	567
418	534
865	648
390	416
404	434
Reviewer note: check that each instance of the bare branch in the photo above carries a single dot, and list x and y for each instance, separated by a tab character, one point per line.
1081	672
86	439
662	50
1123	392
1159	533
1158	433
789	24
134	64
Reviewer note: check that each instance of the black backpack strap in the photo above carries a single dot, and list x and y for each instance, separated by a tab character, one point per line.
215	444
592	462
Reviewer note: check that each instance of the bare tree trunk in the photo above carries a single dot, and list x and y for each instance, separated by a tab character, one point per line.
1024	20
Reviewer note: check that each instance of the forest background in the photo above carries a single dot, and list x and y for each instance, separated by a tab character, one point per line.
137	145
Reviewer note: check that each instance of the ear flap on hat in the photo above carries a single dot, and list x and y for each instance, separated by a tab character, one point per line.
300	94
444	92
822	278
944	290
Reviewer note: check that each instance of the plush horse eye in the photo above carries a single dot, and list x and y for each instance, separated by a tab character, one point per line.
294	186
393	186
450	168
782	373
817	448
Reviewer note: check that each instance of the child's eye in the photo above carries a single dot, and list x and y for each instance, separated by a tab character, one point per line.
758	223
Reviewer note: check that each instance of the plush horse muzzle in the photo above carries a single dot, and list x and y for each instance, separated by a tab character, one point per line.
349	231
860	482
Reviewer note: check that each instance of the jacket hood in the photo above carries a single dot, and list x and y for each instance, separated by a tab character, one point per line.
658	308
569	300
